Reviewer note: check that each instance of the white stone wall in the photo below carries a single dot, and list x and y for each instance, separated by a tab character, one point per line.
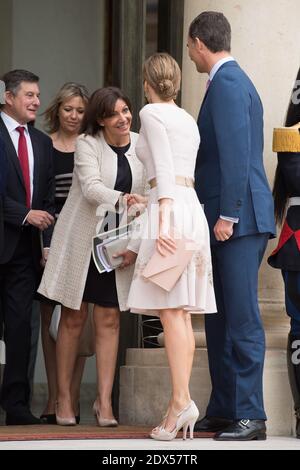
60	41
265	42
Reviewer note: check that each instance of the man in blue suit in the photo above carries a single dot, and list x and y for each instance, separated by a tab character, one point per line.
231	182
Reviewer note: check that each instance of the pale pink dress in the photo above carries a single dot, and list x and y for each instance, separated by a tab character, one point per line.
167	145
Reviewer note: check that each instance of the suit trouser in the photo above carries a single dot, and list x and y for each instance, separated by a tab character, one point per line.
235	335
17	279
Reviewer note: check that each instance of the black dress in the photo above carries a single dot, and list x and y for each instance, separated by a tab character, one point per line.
63	163
101	289
287	255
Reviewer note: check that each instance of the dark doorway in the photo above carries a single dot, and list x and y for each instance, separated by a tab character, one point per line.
137	29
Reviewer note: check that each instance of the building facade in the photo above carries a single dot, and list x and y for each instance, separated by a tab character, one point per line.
102	42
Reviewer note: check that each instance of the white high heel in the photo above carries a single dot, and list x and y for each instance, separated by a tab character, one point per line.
162	423
186	419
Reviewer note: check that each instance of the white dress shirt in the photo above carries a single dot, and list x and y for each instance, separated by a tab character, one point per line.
11	125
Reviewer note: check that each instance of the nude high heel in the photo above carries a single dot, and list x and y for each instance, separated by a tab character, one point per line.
64	421
186	419
103	422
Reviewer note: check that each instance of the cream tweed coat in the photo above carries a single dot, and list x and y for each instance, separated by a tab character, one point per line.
95	174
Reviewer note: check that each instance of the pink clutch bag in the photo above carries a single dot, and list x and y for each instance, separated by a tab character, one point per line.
165	271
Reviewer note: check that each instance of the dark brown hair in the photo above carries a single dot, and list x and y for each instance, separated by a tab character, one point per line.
14	78
100	106
213	29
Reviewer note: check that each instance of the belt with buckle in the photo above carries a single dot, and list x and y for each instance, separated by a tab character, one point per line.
179	180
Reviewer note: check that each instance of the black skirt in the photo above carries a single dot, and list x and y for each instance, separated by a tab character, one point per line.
101	288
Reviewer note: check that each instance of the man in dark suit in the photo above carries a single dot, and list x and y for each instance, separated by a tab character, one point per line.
3	177
28	207
231	183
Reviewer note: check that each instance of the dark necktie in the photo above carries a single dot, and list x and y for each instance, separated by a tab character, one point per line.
24	162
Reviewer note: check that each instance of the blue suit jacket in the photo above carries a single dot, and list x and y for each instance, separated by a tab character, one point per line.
230	179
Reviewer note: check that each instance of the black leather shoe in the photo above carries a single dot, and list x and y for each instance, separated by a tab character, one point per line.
21	419
211	424
48	419
244	430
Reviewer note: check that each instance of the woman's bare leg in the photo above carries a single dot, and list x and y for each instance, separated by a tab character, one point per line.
178	349
107	327
49	351
76	383
190	340
70	328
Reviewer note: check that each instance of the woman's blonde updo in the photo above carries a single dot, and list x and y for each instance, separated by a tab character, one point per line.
163	74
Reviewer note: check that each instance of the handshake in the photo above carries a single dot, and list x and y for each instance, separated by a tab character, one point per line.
135	204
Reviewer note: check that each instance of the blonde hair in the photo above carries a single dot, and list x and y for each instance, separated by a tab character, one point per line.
163	74
67	91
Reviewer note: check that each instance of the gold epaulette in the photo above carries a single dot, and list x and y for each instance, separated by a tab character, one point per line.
287	139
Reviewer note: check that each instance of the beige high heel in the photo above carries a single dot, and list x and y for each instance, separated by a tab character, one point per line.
186	420
103	422
64	421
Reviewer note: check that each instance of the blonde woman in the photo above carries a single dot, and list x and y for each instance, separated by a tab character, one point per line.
168	145
63	120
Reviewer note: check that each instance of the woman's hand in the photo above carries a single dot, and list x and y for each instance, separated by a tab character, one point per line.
129	258
165	243
136	204
135	199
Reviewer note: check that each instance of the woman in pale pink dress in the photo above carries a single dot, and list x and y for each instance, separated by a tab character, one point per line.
167	145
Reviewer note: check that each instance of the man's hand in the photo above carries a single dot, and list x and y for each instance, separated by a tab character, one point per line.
223	230
39	219
129	258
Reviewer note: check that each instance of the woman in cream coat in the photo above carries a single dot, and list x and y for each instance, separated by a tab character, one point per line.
106	167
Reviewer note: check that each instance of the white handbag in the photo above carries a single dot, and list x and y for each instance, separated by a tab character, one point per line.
53	328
